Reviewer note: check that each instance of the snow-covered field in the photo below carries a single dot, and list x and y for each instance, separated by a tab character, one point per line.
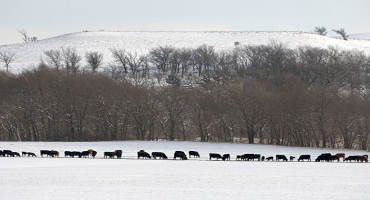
104	179
30	54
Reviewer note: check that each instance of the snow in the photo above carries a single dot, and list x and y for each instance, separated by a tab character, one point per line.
360	36
29	55
111	179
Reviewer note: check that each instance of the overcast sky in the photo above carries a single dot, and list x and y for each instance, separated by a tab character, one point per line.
47	18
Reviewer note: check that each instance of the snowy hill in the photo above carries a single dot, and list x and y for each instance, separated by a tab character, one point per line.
360	36
28	55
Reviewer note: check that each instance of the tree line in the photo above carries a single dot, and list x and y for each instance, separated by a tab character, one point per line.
270	94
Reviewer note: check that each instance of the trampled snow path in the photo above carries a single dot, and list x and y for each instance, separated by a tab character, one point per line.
111	179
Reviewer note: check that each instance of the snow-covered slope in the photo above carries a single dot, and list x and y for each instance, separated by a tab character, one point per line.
141	42
360	36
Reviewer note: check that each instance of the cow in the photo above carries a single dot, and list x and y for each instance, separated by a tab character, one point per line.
180	154
249	157
324	157
76	153
363	158
118	153
85	154
352	158
67	154
143	154
263	158
291	158
159	155
281	157
1	153
341	155
195	154
214	155
93	153
238	157
7	153
15	154
109	154
304	157
54	153
45	152
226	157
334	157
28	154
32	154
270	158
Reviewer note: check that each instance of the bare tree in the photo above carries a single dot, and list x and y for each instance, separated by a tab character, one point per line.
24	35
320	30
54	58
160	57
120	58
342	33
94	59
7	58
71	59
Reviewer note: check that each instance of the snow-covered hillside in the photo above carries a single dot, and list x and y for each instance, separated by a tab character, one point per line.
28	55
115	179
360	36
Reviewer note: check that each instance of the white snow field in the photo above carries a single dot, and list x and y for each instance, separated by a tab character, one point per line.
29	55
113	179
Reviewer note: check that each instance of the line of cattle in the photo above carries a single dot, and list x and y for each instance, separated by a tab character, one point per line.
181	155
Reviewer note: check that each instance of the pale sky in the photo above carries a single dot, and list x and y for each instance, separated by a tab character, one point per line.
47	18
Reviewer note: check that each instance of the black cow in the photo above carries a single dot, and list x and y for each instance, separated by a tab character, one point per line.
76	153
291	158
226	157
334	157
352	158
250	157
85	154
93	153
54	153
118	153
304	157
195	154
32	154
143	154
67	154
324	157
15	154
215	155
180	154
8	153
263	158
1	153
28	154
159	155
270	158
45	152
281	157
238	157
109	154
363	158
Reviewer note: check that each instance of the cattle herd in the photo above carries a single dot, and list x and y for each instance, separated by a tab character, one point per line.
328	157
